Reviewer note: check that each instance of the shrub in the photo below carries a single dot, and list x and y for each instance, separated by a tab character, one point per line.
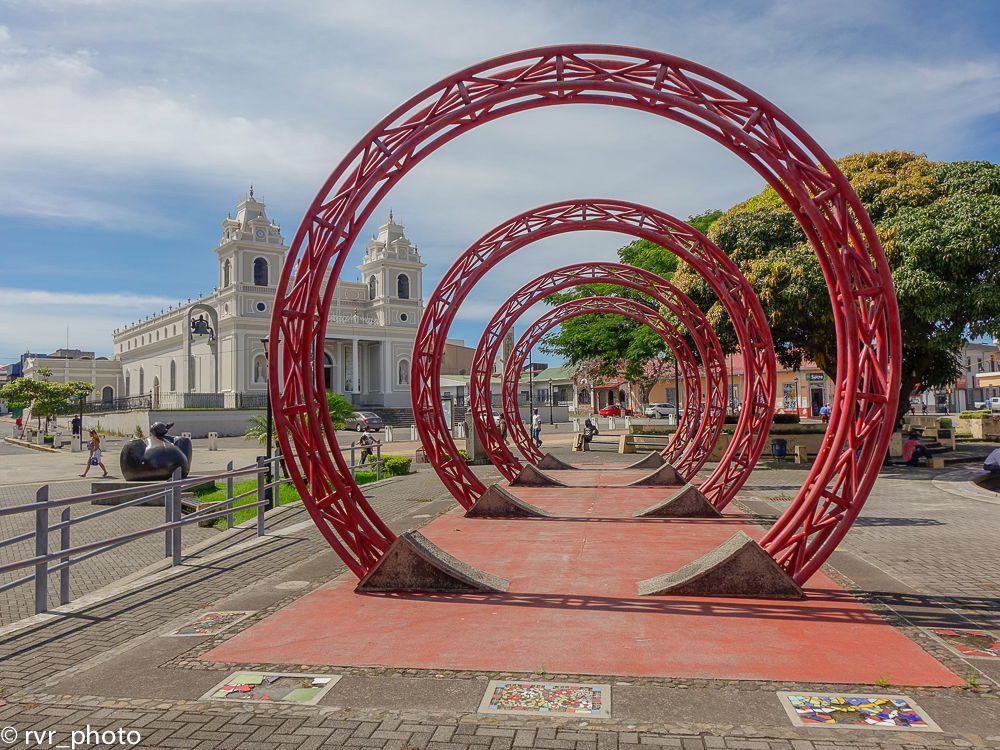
786	419
944	422
394	466
778	418
975	414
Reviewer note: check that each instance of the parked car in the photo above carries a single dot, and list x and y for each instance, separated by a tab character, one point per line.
615	410
993	404
658	411
364	420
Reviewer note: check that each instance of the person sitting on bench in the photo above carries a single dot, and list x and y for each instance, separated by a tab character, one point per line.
914	450
589	430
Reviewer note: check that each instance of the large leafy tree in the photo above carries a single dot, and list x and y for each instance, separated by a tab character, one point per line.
940	225
613	345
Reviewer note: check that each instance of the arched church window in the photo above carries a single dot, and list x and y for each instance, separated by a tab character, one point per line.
327	371
226	272
372	288
107	394
584	396
403	286
260	272
403	376
260	369
128	383
173	376
142	383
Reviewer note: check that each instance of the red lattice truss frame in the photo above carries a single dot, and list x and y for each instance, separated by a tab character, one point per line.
701	425
678	452
804	176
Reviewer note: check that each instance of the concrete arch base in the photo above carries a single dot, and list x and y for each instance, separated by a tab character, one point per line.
738	567
414	563
497	502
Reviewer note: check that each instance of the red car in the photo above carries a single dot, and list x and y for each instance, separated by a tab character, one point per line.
615	411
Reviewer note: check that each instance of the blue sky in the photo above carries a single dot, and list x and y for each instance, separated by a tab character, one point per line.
129	128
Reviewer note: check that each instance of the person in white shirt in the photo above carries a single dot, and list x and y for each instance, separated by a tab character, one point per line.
536	428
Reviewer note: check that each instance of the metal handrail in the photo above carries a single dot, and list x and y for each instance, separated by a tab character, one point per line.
109	494
173	524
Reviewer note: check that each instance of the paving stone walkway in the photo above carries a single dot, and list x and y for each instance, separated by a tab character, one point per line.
907	532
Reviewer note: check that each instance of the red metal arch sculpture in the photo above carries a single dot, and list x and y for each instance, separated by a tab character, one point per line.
616	305
681	442
699	429
735	294
806	178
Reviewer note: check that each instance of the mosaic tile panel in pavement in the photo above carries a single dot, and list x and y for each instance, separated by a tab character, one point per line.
570	699
975	643
211	623
303	689
855	710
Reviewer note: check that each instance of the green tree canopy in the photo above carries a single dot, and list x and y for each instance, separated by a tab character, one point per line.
940	225
44	397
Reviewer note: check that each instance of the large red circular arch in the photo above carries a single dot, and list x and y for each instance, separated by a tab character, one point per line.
697	433
804	176
676	452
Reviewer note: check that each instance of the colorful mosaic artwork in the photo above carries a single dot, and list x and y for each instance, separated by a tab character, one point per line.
211	623
975	643
872	712
274	688
547	698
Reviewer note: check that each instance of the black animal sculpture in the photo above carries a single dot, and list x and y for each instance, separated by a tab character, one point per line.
157	456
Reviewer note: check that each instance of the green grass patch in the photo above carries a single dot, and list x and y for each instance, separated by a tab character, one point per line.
393	466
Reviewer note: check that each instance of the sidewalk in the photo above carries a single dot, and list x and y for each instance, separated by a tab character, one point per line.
931	560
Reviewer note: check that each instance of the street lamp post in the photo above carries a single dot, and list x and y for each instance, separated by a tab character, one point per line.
268	492
531	384
552	400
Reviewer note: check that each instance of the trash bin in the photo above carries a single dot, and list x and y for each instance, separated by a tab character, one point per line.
779	447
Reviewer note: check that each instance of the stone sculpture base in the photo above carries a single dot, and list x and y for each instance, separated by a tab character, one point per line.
551	462
532	476
651	461
687	502
664	476
497	502
738	567
415	563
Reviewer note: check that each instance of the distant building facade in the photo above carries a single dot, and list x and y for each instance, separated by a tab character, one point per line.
210	352
75	365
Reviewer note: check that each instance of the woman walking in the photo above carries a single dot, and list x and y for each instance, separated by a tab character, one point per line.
94	444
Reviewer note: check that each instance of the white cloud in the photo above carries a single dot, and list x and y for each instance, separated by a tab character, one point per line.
37	320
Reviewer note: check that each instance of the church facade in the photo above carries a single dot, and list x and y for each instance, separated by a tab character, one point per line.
210	352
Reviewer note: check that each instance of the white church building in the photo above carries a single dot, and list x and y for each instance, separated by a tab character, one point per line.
209	352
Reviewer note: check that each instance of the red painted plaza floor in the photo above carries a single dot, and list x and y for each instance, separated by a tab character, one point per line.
572	607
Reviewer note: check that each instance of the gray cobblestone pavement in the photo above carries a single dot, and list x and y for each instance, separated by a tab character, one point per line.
53	680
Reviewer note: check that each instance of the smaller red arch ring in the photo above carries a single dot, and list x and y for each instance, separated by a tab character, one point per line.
695	437
585	306
719	271
682	441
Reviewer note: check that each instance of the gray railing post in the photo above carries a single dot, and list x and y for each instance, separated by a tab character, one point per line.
42	549
353	464
64	545
168	516
229	496
260	495
175	501
378	461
